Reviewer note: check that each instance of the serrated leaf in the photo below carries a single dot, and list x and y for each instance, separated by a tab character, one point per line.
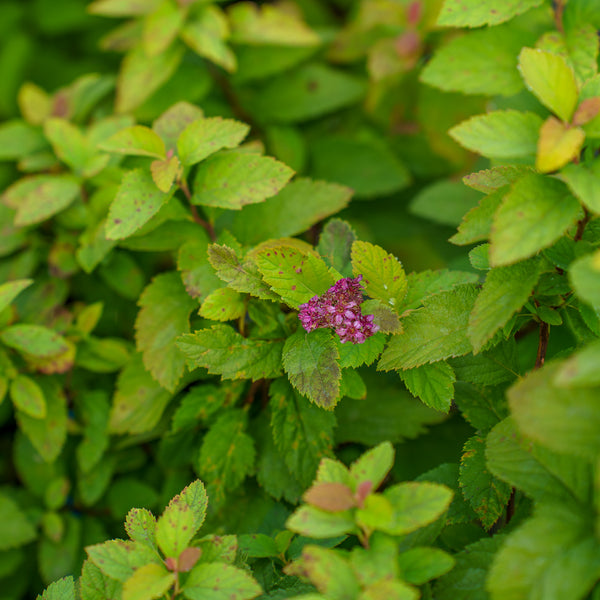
505	291
233	179
373	466
473	13
227	455
181	520
356	355
431	383
583	274
335	244
294	275
302	432
486	494
565	420
549	77
47	434
206	136
541	474
433	333
533	215
63	589
298	206
224	304
164	313
552	556
225	352
136	202
584	182
140	525
139	400
118	558
482	406
383	276
218	581
95	585
501	134
40	197
315	523
241	276
479	62
477	223
415	505
141	75
15	528
174	120
164	172
489	180
310	361
27	396
558	145
136	140
330	497
161	26
147	583
197	273
426	283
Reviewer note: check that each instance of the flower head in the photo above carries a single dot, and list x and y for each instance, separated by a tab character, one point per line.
339	308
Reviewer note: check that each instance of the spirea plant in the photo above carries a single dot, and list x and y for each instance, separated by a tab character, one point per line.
227	298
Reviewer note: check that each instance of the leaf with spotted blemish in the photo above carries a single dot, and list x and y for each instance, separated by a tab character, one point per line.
137	201
233	179
383	276
181	520
223	304
487	494
225	352
118	558
140	525
218	581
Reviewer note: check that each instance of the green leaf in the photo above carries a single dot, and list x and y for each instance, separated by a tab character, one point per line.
583	274
218	581
581	368
419	565
47	434
505	291
241	276
227	455
95	585
233	179
141	75
206	136
559	144
225	352
136	140
197	274
364	163
19	139
305	93
63	589
481	405
584	183
356	355
565	420
165	308
269	25
296	208
328	571
40	197
490	180
479	62
161	27
426	283
473	13
11	289
224	304
140	525
431	383
533	215
119	559
174	120
551	556
415	505
302	432
15	528
374	465
257	545
122	8
383	275
202	401
501	134
136	202
315	523
139	400
543	475
310	361
335	245
164	172
486	494
181	520
148	582
476	225
28	397
466	581
549	77
294	275
433	333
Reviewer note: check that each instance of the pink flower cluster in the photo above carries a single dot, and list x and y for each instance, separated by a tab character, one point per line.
339	307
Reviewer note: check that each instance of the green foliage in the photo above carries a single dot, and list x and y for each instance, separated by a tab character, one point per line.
167	228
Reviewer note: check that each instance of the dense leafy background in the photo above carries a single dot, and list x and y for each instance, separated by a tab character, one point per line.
178	178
